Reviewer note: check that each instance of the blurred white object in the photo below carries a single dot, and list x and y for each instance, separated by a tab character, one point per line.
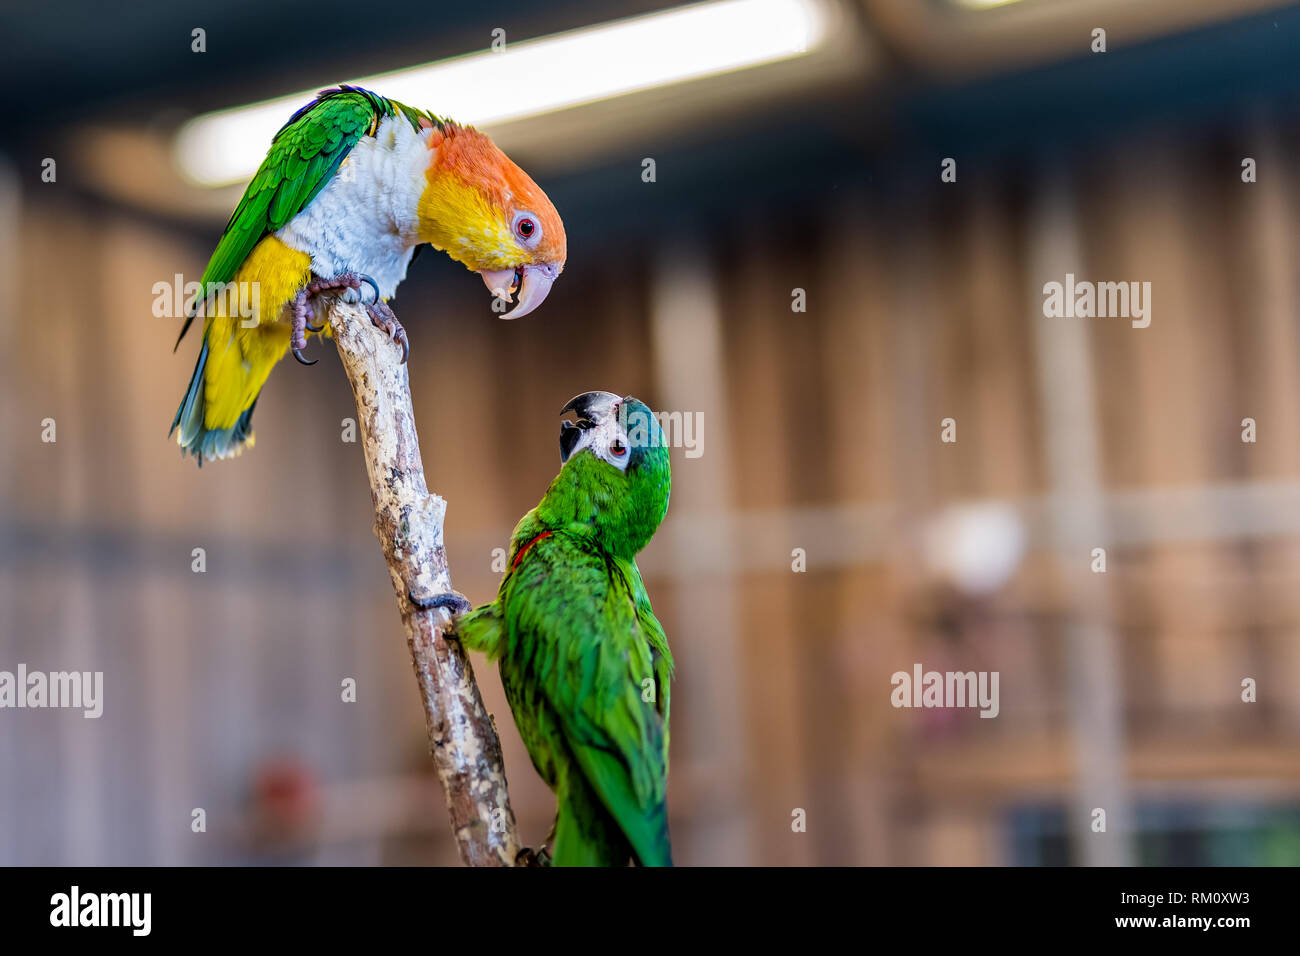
976	548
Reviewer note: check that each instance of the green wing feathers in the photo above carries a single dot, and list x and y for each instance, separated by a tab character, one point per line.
305	154
660	655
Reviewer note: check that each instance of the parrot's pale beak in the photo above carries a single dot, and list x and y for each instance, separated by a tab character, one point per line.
528	284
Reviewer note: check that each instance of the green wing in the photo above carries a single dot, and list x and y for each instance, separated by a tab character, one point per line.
660	655
573	612
304	156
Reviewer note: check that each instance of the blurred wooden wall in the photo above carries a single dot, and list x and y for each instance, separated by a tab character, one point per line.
822	433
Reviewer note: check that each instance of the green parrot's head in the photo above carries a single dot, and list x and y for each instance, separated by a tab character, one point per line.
615	469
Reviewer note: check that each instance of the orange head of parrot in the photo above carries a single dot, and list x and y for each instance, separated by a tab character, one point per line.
488	214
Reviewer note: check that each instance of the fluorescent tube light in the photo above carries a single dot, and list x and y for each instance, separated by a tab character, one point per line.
535	76
984	4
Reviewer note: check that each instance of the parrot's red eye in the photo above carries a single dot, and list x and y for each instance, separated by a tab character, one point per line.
618	449
527	228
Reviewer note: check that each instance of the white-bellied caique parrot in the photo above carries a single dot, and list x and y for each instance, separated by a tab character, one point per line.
352	185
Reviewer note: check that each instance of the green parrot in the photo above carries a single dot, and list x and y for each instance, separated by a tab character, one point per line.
585	664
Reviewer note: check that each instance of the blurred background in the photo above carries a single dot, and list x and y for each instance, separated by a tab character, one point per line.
823	538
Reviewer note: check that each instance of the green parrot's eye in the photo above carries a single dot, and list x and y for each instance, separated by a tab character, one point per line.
617	449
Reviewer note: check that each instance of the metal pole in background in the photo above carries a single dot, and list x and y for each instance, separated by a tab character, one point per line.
1077	517
689	370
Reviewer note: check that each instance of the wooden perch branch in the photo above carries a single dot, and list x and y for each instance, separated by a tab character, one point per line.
408	523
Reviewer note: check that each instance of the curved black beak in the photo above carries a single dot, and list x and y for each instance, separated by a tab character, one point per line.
569	436
594	407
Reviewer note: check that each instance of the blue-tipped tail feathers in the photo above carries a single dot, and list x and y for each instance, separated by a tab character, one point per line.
198	440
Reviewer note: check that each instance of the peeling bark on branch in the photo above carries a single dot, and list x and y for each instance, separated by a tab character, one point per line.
408	523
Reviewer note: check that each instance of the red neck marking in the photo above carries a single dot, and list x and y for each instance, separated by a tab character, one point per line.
519	555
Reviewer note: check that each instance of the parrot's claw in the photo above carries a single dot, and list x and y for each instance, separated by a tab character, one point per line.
370	282
530	857
452	601
383	318
299	326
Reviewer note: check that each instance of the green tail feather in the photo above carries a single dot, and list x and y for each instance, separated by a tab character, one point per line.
643	828
586	834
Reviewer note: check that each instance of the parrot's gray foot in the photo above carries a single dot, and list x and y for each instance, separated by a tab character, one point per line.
452	601
530	857
298	326
344	280
299	307
383	318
